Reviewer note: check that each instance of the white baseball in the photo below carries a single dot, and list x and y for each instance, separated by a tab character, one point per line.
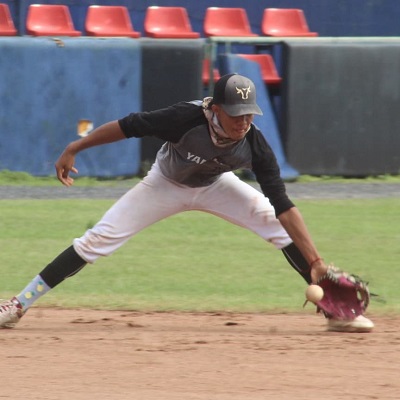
314	293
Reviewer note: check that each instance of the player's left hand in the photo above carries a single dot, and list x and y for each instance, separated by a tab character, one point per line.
346	296
318	269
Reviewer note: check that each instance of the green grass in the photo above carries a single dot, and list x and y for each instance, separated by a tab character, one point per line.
195	261
12	178
340	179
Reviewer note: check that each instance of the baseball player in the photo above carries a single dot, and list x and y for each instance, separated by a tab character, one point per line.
205	140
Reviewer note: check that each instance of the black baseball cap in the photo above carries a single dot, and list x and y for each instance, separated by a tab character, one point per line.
236	94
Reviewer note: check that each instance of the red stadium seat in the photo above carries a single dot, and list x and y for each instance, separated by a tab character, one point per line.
285	22
50	20
7	27
268	69
168	22
109	21
206	72
223	21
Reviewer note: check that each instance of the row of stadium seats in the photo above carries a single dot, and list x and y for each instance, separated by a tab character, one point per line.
160	22
164	22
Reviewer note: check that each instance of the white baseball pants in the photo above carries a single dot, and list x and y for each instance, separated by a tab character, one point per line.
157	197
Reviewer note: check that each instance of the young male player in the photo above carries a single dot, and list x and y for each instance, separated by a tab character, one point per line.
205	140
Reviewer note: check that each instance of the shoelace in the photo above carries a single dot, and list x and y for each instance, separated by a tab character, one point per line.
5	307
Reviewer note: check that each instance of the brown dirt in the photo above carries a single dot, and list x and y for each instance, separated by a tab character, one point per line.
82	354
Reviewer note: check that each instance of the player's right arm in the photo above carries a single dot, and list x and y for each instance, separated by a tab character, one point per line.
107	133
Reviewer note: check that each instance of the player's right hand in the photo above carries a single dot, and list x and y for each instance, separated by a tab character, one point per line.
64	165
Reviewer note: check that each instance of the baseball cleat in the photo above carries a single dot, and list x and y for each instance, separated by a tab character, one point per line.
10	313
359	324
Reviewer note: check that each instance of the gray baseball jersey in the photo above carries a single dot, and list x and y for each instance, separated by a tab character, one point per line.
189	157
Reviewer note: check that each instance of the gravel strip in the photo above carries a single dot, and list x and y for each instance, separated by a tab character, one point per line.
312	190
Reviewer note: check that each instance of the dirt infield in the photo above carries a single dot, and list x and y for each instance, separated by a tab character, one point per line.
82	354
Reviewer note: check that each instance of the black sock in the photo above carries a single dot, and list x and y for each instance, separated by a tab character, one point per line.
297	261
68	263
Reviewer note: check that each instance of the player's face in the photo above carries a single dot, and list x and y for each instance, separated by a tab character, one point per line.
235	127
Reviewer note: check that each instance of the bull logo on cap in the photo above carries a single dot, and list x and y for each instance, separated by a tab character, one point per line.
244	92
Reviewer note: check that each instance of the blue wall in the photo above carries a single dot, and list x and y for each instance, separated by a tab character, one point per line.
48	86
327	17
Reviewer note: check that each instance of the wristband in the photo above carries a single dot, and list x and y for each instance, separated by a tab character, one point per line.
316	260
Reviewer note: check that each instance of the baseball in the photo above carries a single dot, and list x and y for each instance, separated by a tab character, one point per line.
314	293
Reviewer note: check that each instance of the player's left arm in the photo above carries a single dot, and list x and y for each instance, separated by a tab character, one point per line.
294	224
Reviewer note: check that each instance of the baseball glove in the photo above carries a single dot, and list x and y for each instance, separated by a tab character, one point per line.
346	296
